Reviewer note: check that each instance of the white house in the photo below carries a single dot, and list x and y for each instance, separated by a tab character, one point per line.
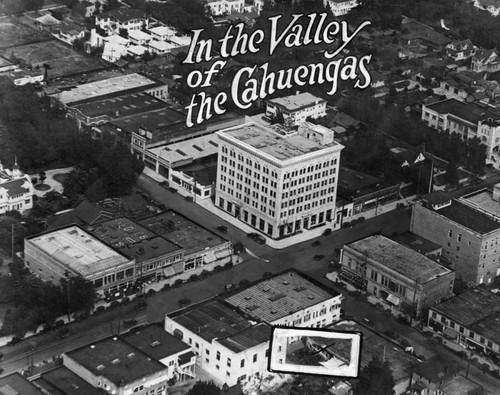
16	190
139	37
297	107
341	7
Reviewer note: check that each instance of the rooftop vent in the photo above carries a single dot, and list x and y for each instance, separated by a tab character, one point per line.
115	361
100	367
131	355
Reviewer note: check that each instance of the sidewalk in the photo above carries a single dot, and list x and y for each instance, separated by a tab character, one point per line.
50	181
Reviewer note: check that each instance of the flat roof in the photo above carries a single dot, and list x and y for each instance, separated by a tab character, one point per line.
116	360
198	147
132	240
296	102
399	258
15	384
471	112
104	87
279	296
182	231
150	120
139	35
161	45
248	338
211	319
121	106
62	381
483	200
78	250
204	173
260	138
155	342
469	217
477	309
375	345
354	181
162	30
417	243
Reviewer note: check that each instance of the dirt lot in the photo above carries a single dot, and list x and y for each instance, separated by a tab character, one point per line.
62	59
13	33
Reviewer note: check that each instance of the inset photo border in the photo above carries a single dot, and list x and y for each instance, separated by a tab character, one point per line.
330	361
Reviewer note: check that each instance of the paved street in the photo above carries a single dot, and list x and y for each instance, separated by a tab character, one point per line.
299	256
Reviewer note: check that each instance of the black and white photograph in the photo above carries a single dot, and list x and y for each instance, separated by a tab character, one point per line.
246	197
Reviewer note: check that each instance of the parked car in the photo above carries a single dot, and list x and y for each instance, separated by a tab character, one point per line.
14	340
317	243
257	238
229	287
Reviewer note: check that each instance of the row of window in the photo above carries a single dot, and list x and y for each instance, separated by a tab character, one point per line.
310	169
310	178
248	162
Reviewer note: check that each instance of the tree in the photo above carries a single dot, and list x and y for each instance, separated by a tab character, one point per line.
42	176
123	32
204	388
375	378
451	175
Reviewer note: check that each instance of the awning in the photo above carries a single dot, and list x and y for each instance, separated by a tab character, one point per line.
169	271
209	257
221	254
178	267
450	333
393	299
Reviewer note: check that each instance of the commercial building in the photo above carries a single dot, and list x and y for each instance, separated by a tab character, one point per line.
17	384
154	256
485	200
71	251
201	246
471	320
469	236
467	120
289	299
161	346
297	107
171	152
231	335
118	368
62	381
116	86
228	346
16	190
405	279
278	183
98	112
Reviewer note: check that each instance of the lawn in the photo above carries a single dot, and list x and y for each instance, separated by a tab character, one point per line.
13	33
61	59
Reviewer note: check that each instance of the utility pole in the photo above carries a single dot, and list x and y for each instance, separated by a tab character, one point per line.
12	246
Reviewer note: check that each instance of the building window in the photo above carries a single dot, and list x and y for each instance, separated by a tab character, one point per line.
255	357
229	362
242	363
450	233
218	356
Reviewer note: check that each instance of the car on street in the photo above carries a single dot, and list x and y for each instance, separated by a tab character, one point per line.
257	238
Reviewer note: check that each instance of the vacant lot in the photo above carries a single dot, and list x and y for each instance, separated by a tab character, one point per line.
62	59
13	33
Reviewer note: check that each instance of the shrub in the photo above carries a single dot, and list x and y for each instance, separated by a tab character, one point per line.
204	274
177	283
405	343
114	304
244	282
58	324
99	310
194	277
151	292
126	300
228	265
166	287
218	269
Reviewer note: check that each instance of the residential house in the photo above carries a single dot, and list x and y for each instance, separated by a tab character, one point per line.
485	60
16	190
220	7
432	375
16	384
297	107
138	37
122	18
340	7
460	49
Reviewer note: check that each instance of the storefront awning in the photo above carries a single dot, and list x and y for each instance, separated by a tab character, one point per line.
178	267
221	254
209	257
450	333
393	299
169	271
